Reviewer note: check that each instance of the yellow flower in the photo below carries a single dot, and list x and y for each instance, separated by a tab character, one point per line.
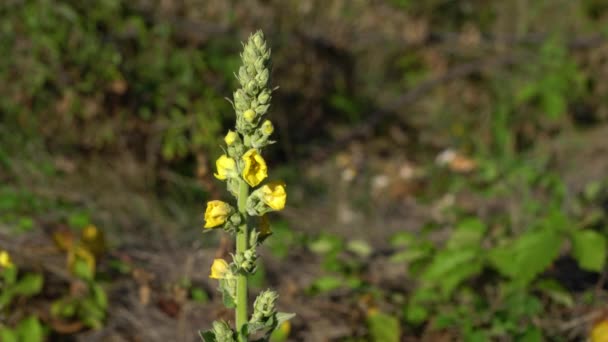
274	195
249	115
599	333
255	168
267	128
5	260
216	213
230	138
80	253
264	226
93	239
219	269
225	166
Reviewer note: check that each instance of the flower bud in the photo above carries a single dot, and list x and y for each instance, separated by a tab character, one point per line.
244	78
249	115
222	332
253	103
264	97
251	87
262	109
258	40
241	99
260	65
264	306
230	137
220	269
262	78
246	261
5	260
267	128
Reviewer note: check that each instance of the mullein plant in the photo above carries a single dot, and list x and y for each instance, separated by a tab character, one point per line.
244	170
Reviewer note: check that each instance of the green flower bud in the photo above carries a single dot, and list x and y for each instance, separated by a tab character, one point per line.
264	97
223	332
264	306
262	78
252	87
261	109
258	40
246	261
260	65
241	100
244	77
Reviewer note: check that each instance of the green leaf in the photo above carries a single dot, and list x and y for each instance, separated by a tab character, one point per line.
468	233
30	330
326	244
63	308
556	292
8	335
554	104
383	327
100	296
326	283
360	247
207	336
411	254
9	275
533	334
403	239
476	336
449	268
82	270
227	297
589	249
29	285
527	256
416	313
284	317
79	220
199	295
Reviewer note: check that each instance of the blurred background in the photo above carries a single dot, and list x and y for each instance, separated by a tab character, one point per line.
445	161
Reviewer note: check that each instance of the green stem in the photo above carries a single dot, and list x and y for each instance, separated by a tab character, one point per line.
242	241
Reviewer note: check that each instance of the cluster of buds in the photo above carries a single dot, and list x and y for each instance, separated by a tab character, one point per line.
246	261
243	168
264	306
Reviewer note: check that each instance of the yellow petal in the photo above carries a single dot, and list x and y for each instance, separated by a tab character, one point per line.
219	269
226	166
230	138
249	115
5	260
217	213
255	170
599	333
274	195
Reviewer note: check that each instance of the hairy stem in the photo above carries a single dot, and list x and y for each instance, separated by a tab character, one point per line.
242	241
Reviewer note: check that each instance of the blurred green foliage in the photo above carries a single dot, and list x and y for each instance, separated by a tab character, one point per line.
105	75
